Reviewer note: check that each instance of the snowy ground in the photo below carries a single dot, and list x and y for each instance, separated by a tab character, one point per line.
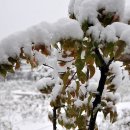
23	108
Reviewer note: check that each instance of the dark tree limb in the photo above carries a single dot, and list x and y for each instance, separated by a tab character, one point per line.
71	79
103	70
97	52
54	118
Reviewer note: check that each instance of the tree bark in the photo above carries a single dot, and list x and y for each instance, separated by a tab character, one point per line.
54	118
97	100
103	70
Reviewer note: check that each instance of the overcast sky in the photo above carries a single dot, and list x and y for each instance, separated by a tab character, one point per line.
16	15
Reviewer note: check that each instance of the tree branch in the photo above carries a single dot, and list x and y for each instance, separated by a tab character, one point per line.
71	79
66	60
97	52
48	66
53	68
54	118
104	70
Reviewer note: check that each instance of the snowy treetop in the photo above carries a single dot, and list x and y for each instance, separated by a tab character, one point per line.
93	11
89	10
46	34
43	34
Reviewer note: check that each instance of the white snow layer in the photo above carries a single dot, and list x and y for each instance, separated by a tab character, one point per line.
116	69
111	33
87	10
47	34
43	34
126	16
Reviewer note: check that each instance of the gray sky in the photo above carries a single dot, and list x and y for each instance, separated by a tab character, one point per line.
17	15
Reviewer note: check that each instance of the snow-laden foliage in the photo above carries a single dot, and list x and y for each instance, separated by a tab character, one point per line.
93	38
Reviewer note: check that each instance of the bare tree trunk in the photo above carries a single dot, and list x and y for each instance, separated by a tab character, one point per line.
104	70
54	118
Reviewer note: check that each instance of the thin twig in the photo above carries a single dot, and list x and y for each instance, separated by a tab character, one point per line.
70	80
53	68
100	56
66	61
110	61
48	66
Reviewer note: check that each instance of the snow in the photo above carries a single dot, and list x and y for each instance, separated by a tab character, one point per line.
67	29
29	125
71	6
21	96
92	86
84	10
115	68
95	31
110	33
47	34
78	103
122	123
57	89
125	37
45	82
83	89
51	33
71	87
113	6
126	16
65	119
111	97
123	105
43	34
120	27
87	10
18	100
